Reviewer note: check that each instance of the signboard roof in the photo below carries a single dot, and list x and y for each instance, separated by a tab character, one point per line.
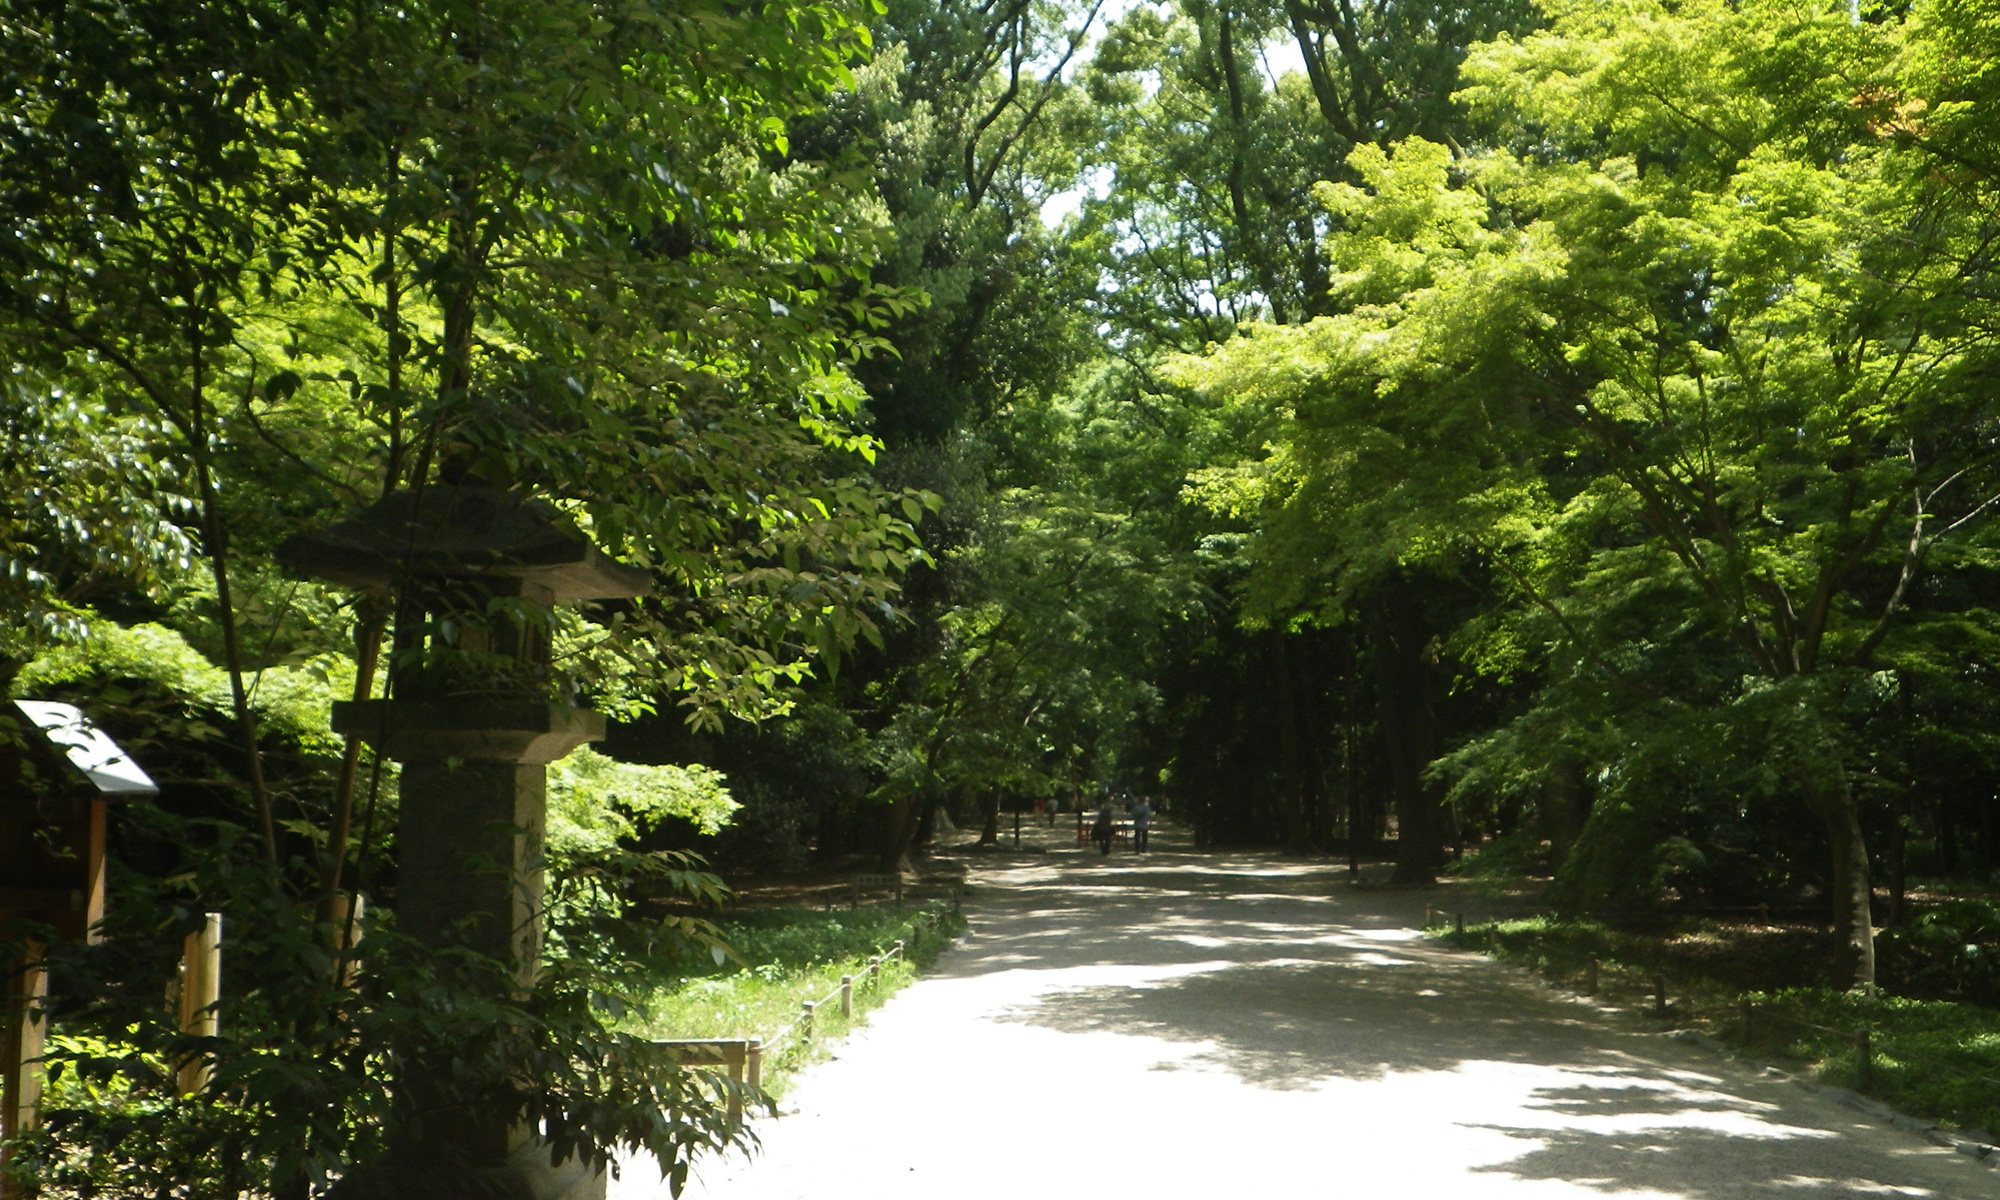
88	749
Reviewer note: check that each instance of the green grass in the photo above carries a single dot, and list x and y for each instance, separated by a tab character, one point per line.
1914	1047
789	956
1704	964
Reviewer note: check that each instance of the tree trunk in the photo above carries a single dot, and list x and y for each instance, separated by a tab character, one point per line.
989	833
1947	836
1409	735
1852	911
1350	771
1291	798
1899	862
899	825
1565	808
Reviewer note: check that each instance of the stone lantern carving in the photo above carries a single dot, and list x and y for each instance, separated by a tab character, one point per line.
475	571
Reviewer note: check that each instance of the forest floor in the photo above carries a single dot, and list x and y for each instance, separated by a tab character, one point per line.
1184	1024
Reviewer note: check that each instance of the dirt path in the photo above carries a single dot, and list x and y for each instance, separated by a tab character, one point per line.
1190	1025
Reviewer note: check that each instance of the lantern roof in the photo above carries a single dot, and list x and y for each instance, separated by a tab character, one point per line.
462	533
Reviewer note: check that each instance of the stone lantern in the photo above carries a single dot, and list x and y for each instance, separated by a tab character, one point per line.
475	571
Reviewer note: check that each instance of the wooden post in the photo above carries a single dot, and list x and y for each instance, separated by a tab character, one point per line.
847	996
898	951
875	970
806	1022
1864	1058
1659	995
737	1055
753	1057
201	997
344	913
27	986
1763	914
1458	923
1017	829
1590	978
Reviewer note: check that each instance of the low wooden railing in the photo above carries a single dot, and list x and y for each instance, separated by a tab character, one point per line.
743	1058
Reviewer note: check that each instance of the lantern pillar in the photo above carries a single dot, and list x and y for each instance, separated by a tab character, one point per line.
473	727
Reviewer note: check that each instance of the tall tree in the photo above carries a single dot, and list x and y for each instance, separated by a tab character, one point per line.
1700	370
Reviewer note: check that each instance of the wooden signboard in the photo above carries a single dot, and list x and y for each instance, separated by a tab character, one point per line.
58	772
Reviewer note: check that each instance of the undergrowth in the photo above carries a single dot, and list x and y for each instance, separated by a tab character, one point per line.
785	957
1928	1056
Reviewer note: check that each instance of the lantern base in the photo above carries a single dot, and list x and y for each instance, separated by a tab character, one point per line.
527	1174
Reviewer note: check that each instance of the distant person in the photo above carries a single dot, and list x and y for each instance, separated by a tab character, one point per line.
1100	829
1142	813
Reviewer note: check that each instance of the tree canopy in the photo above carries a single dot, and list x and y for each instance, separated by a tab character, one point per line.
1560	430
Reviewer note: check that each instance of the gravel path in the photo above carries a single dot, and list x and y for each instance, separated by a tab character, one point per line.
1193	1025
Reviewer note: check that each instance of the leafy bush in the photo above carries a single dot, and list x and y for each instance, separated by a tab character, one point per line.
311	1074
1950	949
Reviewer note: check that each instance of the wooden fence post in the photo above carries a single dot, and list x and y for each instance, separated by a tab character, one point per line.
847	996
806	1022
201	997
737	1056
1747	1016
1590	978
1864	1058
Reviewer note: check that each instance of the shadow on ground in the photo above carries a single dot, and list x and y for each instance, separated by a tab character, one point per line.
1284	976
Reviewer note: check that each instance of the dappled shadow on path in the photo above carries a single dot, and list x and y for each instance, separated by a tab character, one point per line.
1279	974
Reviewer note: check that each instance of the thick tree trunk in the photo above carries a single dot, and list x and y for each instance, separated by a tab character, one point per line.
899	825
1852	910
989	833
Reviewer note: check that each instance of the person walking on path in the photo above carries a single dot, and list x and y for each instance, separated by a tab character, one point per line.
1142	812
1100	829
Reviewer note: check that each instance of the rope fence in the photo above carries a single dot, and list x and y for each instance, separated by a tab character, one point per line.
744	1058
1863	1039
